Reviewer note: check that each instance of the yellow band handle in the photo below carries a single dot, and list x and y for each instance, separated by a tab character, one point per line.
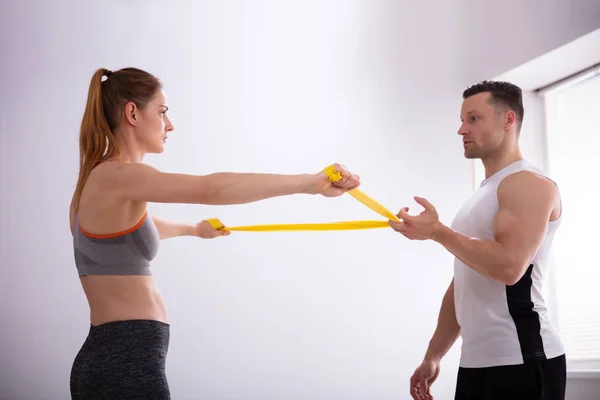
334	176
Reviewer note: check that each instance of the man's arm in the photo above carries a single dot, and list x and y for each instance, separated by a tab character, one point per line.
447	330
526	202
169	229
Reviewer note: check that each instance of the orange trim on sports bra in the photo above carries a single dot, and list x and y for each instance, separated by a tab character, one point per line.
112	235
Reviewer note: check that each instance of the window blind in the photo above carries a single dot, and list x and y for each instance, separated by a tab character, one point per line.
573	127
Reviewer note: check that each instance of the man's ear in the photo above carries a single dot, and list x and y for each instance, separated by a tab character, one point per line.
131	113
510	119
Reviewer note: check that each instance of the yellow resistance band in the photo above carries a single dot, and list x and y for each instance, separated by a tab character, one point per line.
326	226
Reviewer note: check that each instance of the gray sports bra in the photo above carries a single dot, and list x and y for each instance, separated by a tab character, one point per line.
123	253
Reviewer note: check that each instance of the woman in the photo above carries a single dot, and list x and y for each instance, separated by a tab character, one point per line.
115	238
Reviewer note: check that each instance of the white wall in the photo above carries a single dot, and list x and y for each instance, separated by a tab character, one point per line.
504	37
261	316
273	87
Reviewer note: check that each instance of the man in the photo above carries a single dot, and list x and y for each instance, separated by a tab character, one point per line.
501	240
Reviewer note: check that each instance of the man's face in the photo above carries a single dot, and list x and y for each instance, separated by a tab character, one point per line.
483	127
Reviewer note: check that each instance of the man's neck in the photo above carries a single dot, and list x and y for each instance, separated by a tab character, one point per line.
495	163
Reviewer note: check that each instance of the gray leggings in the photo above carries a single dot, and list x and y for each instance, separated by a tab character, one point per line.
122	360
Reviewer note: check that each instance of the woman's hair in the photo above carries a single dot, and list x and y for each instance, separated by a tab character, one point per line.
104	110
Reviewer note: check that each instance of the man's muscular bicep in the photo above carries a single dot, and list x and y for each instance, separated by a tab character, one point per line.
526	201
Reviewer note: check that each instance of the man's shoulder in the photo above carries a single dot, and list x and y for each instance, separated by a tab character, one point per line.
527	186
527	178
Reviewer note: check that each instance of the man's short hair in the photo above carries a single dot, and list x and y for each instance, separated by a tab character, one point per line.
503	94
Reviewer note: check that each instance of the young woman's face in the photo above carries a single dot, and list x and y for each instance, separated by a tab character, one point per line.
153	124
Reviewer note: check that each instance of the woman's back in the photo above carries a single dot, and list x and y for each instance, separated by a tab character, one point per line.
114	242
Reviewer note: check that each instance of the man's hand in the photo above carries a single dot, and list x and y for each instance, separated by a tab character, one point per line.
423	378
418	227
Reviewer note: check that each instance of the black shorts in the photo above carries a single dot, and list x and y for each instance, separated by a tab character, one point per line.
122	360
534	380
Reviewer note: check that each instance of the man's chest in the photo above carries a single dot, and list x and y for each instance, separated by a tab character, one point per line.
476	216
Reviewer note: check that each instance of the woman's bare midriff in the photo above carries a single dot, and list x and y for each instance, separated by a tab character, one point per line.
117	298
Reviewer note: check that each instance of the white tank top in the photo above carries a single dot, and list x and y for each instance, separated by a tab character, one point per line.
500	324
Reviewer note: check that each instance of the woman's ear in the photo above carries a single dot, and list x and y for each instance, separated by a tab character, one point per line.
131	112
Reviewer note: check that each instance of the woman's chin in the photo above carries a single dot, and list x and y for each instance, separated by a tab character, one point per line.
159	149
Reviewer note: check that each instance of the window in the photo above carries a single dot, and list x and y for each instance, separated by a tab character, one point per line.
572	116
